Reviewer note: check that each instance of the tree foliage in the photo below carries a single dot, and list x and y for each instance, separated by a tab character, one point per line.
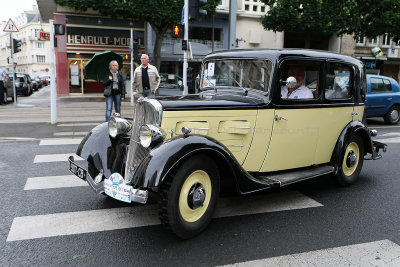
368	18
160	14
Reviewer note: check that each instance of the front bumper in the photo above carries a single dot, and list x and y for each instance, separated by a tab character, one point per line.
137	195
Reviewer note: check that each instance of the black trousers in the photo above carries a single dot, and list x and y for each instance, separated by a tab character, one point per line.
2	90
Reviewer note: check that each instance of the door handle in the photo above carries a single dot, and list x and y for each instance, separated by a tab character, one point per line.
278	118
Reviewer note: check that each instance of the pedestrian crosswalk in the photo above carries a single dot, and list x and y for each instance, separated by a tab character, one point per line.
60	224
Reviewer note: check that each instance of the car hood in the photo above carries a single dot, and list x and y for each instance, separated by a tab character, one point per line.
220	99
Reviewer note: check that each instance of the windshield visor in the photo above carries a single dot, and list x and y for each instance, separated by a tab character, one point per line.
241	73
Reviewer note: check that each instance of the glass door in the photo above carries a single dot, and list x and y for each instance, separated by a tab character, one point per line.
75	76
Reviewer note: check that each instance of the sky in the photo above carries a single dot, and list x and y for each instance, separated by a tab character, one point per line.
12	8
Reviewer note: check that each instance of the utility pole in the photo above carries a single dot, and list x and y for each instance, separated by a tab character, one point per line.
131	80
185	52
53	92
12	67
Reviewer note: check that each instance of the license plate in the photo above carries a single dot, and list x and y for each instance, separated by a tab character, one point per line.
116	188
78	171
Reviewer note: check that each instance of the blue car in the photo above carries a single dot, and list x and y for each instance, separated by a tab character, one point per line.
383	98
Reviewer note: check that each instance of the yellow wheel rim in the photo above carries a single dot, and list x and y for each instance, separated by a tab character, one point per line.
196	178
351	148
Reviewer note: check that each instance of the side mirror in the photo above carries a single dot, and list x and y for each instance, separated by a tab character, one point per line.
291	82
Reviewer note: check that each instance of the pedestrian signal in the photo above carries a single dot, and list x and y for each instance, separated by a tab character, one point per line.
178	31
127	57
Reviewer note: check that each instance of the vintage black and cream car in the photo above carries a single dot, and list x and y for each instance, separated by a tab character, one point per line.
242	129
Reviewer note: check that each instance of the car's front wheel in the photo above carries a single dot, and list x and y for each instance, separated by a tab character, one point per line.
351	161
393	115
188	199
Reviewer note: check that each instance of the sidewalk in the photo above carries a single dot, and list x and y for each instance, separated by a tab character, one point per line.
36	108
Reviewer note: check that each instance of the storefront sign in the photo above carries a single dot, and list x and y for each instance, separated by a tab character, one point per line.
98	36
44	36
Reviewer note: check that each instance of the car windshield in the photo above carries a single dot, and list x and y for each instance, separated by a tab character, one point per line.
240	73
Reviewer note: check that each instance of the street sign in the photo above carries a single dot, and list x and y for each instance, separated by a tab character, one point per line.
10	27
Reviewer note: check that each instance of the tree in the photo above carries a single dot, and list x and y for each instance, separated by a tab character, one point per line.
358	17
160	14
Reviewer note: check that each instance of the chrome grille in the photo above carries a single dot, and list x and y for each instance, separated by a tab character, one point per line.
147	111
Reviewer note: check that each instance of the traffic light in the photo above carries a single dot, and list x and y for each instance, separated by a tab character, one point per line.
196	8
135	51
16	45
127	57
178	31
184	45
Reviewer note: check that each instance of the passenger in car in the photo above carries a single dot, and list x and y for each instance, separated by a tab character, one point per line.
300	91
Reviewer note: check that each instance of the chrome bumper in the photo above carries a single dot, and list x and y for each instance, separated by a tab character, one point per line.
137	195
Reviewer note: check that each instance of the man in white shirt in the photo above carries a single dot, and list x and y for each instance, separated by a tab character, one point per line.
300	91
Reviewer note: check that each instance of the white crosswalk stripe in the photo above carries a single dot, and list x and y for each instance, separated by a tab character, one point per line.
55	157
69	223
46	182
60	141
378	253
69	133
78	124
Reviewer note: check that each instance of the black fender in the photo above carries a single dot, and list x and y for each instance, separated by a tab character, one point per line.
354	127
103	152
166	157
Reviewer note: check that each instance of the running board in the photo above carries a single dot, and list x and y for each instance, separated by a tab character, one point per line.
290	177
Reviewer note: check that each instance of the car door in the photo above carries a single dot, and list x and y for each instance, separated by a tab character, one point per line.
305	131
379	95
296	120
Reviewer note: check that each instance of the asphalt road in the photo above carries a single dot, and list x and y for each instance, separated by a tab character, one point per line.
343	216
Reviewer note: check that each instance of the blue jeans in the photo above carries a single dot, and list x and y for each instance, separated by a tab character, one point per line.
109	103
147	93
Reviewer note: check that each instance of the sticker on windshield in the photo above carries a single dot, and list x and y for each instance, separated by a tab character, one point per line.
210	70
209	83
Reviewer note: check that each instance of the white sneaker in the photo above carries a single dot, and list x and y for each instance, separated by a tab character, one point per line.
117	115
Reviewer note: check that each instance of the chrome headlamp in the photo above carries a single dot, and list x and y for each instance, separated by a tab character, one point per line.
117	126
150	134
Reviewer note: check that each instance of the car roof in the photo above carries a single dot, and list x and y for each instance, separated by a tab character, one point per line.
275	54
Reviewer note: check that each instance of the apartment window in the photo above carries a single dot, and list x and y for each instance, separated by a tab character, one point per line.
386	40
39	45
246	7
40	59
373	41
255	8
263	9
360	41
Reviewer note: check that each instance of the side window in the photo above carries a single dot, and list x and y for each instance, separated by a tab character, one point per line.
387	85
338	83
377	85
307	80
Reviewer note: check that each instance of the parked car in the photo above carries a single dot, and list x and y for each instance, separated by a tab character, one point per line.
8	84
383	98
23	84
182	151
36	82
170	81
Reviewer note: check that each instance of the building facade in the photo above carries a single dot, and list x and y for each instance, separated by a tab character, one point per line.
34	57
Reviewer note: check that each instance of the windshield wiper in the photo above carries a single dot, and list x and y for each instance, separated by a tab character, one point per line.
245	91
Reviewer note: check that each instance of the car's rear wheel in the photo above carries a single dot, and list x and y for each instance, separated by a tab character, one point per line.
393	115
188	199
351	161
